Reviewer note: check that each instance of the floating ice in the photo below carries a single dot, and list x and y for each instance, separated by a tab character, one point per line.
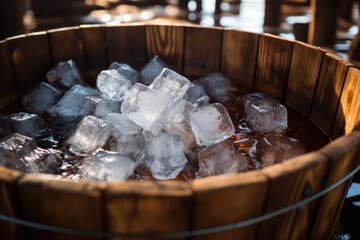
127	71
113	85
218	87
65	74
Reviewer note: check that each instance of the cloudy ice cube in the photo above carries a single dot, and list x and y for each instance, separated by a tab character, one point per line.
266	115
65	75
186	135
145	107
273	149
132	145
179	113
28	124
127	71
122	124
196	95
165	156
42	97
72	103
100	107
90	134
113	85
170	84
211	124
107	166
221	158
218	87
151	70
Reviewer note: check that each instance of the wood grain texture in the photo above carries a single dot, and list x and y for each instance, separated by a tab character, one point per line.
202	51
8	93
348	113
168	43
228	199
327	96
289	183
273	65
239	54
9	204
126	44
343	156
304	73
148	207
31	60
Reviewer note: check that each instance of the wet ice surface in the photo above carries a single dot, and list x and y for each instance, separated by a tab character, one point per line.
100	107
113	85
127	71
28	124
132	145
122	124
65	75
196	95
151	70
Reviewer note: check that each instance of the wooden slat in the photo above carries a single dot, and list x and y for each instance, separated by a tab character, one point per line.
148	207
239	54
304	73
9	204
126	44
168	43
202	51
289	183
62	203
330	83
31	59
273	64
348	113
228	199
343	155
95	51
8	92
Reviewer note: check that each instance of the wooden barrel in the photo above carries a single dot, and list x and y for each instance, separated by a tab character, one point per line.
318	84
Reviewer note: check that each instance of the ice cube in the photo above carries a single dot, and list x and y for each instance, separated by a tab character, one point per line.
165	156
113	85
170	84
42	97
90	134
221	158
72	103
196	95
15	146
28	124
151	70
277	148
218	87
65	75
266	115
127	71
145	107
122	124
211	124
179	113
132	145
100	107
107	166
186	135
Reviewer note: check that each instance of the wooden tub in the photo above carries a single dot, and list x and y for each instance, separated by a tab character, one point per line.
316	83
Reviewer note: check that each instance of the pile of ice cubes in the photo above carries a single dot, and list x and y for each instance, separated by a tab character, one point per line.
155	119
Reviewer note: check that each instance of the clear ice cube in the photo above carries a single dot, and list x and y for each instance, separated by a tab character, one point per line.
211	124
218	87
132	145
266	115
29	124
90	134
127	71
196	95
179	113
186	135
221	158
113	85
100	107
151	70
122	124
65	75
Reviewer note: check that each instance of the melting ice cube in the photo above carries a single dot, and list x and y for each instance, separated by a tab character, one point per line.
100	107
196	95
151	70
28	124
114	85
127	71
65	74
122	124
132	145
218	87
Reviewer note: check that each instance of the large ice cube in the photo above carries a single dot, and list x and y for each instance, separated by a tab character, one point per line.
107	166
266	115
90	134
132	145
196	95
113	85
100	107
28	124
127	71
170	84
72	103
221	158
122	124
218	87
145	107
277	148
65	74
151	70
165	155
42	97
211	124
179	113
